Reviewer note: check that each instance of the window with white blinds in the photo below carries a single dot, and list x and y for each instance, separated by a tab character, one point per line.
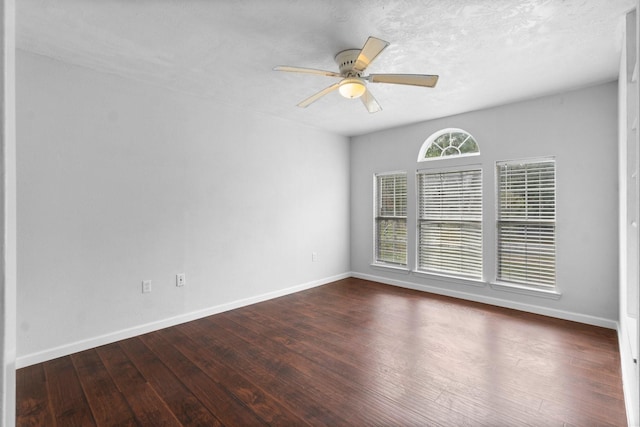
526	222
391	218
450	223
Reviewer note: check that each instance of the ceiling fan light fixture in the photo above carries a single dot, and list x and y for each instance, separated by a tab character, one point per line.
352	87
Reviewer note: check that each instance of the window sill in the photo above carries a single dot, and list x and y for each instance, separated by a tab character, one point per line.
451	279
391	267
527	290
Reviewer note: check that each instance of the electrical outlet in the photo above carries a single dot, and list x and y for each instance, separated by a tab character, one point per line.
181	279
314	256
146	286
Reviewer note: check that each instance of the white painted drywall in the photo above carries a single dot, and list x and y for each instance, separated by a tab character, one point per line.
579	128
8	215
120	181
628	99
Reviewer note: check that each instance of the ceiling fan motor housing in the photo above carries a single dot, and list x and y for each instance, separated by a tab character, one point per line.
346	60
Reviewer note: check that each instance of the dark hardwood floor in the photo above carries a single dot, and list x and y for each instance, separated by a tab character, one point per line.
351	353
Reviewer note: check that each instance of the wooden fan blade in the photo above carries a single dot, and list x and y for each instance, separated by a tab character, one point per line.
405	79
306	71
313	98
370	102
371	49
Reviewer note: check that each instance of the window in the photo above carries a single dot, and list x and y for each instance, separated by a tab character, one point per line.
448	142
526	226
391	218
450	222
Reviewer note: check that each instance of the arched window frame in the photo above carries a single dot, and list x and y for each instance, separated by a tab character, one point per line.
432	139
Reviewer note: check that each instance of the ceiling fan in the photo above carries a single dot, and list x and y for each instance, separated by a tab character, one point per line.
353	84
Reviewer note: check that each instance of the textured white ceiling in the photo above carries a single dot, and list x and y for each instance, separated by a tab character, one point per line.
486	52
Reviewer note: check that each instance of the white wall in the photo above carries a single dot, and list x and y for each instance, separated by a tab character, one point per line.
8	215
579	128
119	181
628	99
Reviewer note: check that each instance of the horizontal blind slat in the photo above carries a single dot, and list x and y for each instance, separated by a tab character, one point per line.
450	215
526	222
391	218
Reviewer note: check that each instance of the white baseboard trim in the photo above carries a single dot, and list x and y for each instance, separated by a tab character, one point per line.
551	312
67	349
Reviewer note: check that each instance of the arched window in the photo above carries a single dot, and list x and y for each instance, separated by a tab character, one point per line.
447	143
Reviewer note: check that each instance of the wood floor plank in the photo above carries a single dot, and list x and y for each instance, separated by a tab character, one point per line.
303	399
148	408
33	407
463	349
421	383
352	352
504	406
280	377
215	396
108	405
338	356
223	366
182	402
584	416
337	390
68	401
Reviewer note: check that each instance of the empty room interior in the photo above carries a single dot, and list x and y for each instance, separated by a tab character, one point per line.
321	213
